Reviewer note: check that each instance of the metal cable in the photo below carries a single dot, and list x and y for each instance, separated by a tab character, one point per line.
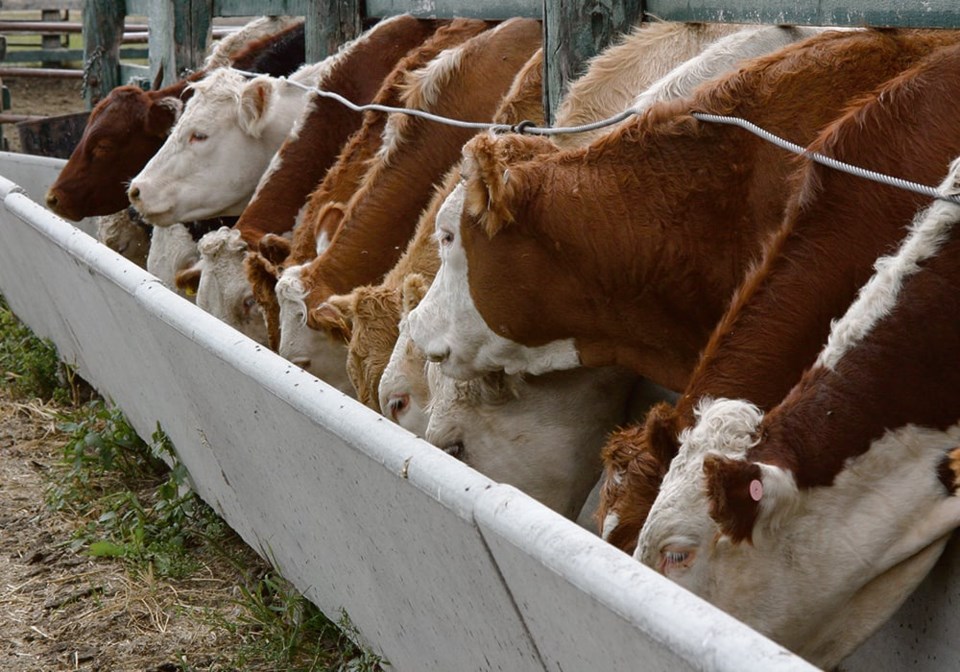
817	157
528	128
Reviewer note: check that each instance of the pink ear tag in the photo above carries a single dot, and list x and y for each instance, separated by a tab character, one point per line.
756	490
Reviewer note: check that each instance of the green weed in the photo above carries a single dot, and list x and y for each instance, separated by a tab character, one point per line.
29	365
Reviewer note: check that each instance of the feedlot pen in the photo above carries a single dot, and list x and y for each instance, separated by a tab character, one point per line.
438	567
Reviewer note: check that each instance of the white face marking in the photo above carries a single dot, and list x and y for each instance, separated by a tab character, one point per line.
863	542
610	523
224	290
403	392
216	153
448	328
541	434
308	348
172	249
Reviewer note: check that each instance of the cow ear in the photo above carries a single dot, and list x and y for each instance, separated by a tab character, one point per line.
274	249
162	115
328	222
335	315
188	280
747	497
660	433
490	188
255	100
414	288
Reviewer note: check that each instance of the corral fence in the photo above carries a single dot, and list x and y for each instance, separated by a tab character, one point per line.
438	567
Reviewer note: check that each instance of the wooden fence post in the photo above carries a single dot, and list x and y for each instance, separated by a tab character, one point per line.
179	33
575	30
102	32
330	23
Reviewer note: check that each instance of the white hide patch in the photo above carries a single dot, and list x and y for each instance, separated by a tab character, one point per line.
224	290
540	434
172	249
312	350
827	565
719	58
928	233
447	326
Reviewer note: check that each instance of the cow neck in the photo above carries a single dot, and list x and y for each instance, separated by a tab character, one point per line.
304	160
895	377
836	227
382	215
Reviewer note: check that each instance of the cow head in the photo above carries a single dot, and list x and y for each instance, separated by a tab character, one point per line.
403	392
817	569
310	349
218	150
123	132
541	434
125	236
447	325
222	287
635	460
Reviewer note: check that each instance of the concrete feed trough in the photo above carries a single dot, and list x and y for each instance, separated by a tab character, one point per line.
438	567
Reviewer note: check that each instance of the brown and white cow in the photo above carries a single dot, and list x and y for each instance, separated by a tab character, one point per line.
376	60
220	146
836	226
466	83
627	251
129	125
402	404
813	522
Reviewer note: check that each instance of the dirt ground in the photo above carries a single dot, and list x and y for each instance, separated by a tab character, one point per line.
62	610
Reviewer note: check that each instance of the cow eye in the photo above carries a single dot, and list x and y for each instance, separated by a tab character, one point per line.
674	558
445	237
197	136
249	303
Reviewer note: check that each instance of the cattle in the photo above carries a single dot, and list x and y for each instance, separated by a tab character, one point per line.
129	125
225	51
371	313
836	226
127	234
614	77
642	236
467	83
814	521
174	249
376	60
220	146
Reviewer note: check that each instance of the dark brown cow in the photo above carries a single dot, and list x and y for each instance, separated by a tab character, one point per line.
129	125
836	226
627	251
812	523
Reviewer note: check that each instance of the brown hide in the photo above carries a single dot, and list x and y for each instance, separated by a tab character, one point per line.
836	226
376	310
643	236
125	130
896	375
382	215
304	159
345	176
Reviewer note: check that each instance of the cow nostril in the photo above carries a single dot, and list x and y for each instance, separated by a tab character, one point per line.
52	200
454	449
134	193
302	362
438	356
